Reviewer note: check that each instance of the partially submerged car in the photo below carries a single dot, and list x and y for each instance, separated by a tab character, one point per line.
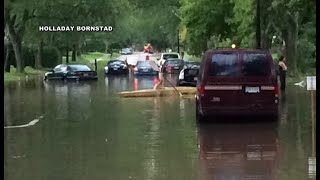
165	56
116	67
189	74
172	65
144	68
71	71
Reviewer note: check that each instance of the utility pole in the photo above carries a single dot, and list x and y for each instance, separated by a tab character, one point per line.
258	28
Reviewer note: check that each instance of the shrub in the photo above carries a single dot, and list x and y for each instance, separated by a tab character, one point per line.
49	57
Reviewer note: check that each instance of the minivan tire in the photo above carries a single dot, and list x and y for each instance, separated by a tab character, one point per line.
199	117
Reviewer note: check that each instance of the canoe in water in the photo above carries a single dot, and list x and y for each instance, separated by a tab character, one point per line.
167	91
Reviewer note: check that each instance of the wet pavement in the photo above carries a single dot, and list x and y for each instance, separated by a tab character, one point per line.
83	130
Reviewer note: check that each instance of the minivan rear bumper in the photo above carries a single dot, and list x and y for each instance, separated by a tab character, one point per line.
235	111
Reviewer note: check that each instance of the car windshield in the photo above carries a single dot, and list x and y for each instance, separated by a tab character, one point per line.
79	68
125	50
115	63
58	67
255	65
190	64
167	56
192	72
143	63
224	65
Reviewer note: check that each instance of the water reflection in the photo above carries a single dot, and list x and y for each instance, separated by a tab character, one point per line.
117	83
144	82
125	83
239	151
20	100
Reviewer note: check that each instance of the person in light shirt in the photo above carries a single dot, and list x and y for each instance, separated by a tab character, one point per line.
282	72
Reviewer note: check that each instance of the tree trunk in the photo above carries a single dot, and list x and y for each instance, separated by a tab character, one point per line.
291	50
265	41
6	62
17	47
74	50
39	55
107	46
67	55
79	51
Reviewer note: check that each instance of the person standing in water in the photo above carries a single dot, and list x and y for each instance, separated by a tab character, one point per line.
159	85
282	72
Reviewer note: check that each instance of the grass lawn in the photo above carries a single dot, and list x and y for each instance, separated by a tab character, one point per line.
29	73
88	59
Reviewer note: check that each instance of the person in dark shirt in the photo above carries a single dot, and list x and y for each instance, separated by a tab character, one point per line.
282	72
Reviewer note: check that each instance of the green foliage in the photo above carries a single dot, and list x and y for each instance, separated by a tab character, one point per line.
50	57
218	42
292	21
201	24
204	19
243	23
94	45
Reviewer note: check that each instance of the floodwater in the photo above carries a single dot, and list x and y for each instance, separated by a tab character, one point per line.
82	131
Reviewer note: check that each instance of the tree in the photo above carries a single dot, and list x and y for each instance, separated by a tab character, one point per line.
204	19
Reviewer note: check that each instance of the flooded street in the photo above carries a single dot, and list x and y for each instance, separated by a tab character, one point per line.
83	131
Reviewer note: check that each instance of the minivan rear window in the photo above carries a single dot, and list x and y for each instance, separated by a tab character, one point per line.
167	56
224	65
255	65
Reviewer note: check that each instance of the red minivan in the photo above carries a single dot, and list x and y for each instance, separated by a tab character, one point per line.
237	82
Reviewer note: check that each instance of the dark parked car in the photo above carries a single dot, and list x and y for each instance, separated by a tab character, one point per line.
144	68
189	74
172	65
126	51
116	67
71	71
237	81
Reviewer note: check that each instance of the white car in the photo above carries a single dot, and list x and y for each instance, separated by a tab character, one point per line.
165	56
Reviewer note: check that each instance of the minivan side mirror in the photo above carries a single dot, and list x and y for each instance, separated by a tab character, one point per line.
158	59
52	70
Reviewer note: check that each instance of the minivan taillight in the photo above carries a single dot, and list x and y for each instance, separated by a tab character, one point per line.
276	90
201	90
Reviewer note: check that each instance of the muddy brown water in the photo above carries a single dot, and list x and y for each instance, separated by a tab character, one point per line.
85	131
